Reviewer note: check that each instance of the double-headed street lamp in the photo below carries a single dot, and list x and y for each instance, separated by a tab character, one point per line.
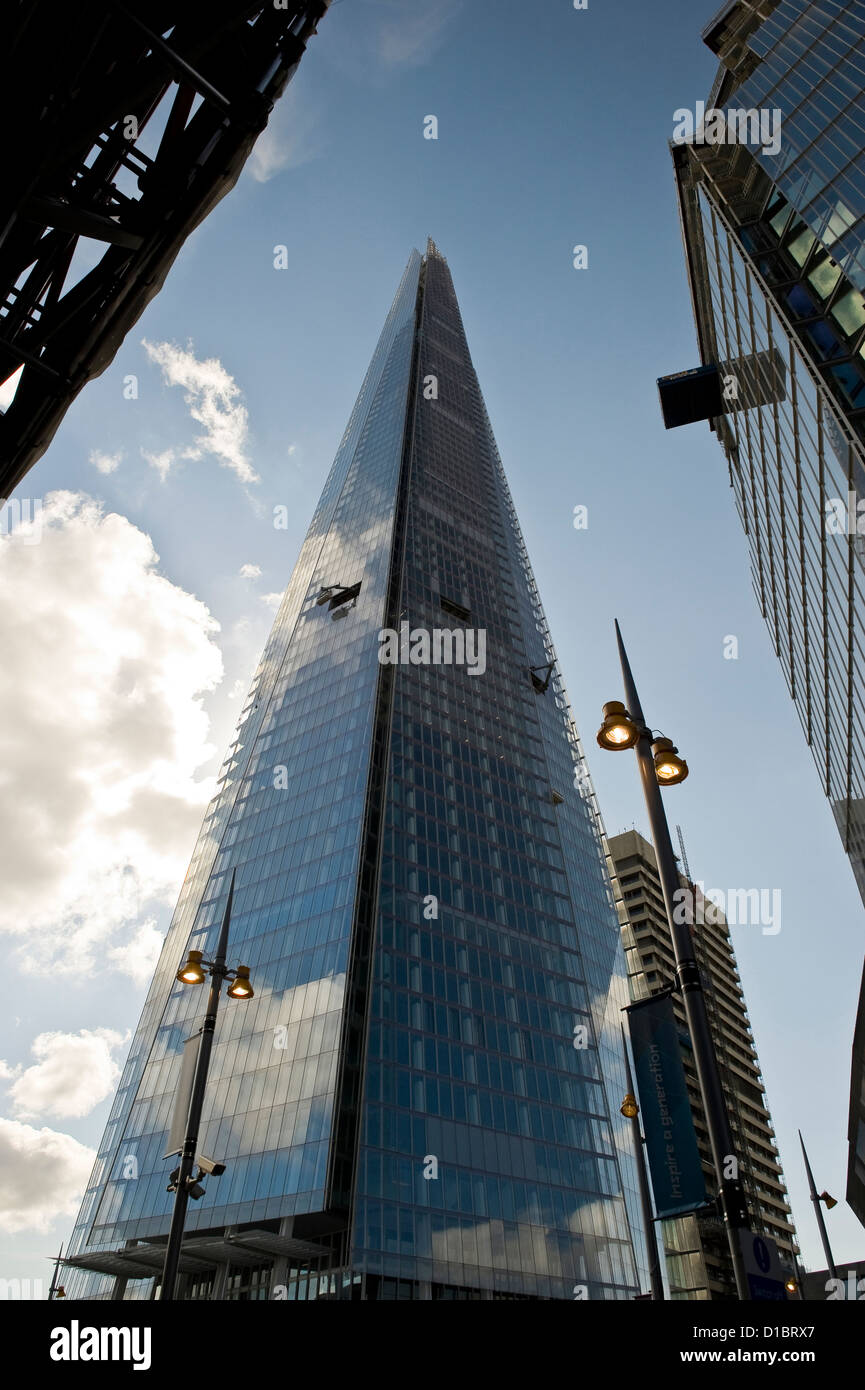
619	730
828	1202
660	765
56	1290
193	972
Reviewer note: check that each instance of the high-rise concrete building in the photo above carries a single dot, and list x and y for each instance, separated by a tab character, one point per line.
422	1098
772	198
695	1246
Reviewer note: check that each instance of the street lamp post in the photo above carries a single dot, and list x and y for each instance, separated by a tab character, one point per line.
817	1199
796	1285
56	1290
660	764
193	972
631	1111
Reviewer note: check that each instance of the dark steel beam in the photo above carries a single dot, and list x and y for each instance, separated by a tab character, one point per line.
89	69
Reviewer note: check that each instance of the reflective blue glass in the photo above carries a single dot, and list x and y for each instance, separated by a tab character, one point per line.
813	72
421	895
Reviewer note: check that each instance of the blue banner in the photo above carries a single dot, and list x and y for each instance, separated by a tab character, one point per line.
671	1144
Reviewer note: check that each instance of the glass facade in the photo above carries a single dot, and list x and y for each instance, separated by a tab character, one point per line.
471	1059
775	261
417	1102
812	69
788	461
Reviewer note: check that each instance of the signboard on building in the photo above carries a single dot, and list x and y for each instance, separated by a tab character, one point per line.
722	388
763	1267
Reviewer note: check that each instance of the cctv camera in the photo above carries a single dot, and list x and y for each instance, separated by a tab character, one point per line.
209	1165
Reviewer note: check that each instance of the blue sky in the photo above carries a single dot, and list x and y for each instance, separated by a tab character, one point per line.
553	129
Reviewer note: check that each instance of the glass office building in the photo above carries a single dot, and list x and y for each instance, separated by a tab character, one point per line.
773	244
422	1099
806	60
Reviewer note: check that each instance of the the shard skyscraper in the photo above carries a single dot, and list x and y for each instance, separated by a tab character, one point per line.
422	1099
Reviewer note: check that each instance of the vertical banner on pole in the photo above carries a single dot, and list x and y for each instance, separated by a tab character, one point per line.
671	1144
177	1133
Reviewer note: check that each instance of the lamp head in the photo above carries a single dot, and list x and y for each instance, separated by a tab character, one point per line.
191	973
629	1107
669	767
618	729
240	988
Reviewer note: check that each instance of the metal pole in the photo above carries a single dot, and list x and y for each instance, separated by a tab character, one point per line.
731	1193
824	1235
218	973
800	1279
57	1260
657	1283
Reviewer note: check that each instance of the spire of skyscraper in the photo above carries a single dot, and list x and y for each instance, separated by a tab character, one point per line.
422	1098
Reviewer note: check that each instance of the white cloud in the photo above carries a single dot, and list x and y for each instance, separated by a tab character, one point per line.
291	137
272	600
212	396
106	463
138	955
72	1073
292	449
238	689
250	571
102	735
161	462
373	40
410	38
43	1175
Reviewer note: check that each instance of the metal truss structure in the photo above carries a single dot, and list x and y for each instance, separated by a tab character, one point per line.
127	125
